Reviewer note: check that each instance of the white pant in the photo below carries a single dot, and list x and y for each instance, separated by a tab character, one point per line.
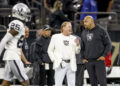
15	68
60	74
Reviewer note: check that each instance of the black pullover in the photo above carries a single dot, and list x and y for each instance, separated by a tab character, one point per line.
95	43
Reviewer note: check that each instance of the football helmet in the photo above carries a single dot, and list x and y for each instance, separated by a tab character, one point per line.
22	12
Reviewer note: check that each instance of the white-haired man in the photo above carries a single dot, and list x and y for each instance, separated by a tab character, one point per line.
62	50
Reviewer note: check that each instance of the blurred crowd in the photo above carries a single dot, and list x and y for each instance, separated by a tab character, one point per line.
54	12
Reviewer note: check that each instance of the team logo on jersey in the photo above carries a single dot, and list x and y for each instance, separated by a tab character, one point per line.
89	36
66	42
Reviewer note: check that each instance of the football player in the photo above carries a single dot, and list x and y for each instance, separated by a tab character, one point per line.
12	42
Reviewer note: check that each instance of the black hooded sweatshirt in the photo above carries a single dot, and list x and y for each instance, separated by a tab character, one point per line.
95	43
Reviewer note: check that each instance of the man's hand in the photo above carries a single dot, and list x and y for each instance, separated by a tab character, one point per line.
43	64
102	58
27	62
77	41
84	60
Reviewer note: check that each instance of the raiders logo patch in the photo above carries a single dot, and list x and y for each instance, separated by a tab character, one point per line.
66	43
89	37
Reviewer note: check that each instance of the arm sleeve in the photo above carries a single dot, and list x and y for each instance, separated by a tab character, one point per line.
38	54
51	49
5	39
107	43
32	52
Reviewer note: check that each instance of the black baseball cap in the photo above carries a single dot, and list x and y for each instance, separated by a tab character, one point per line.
47	27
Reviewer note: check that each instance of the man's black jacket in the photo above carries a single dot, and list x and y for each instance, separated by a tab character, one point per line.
95	43
41	50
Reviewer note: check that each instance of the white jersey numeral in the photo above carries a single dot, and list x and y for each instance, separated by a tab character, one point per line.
15	26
